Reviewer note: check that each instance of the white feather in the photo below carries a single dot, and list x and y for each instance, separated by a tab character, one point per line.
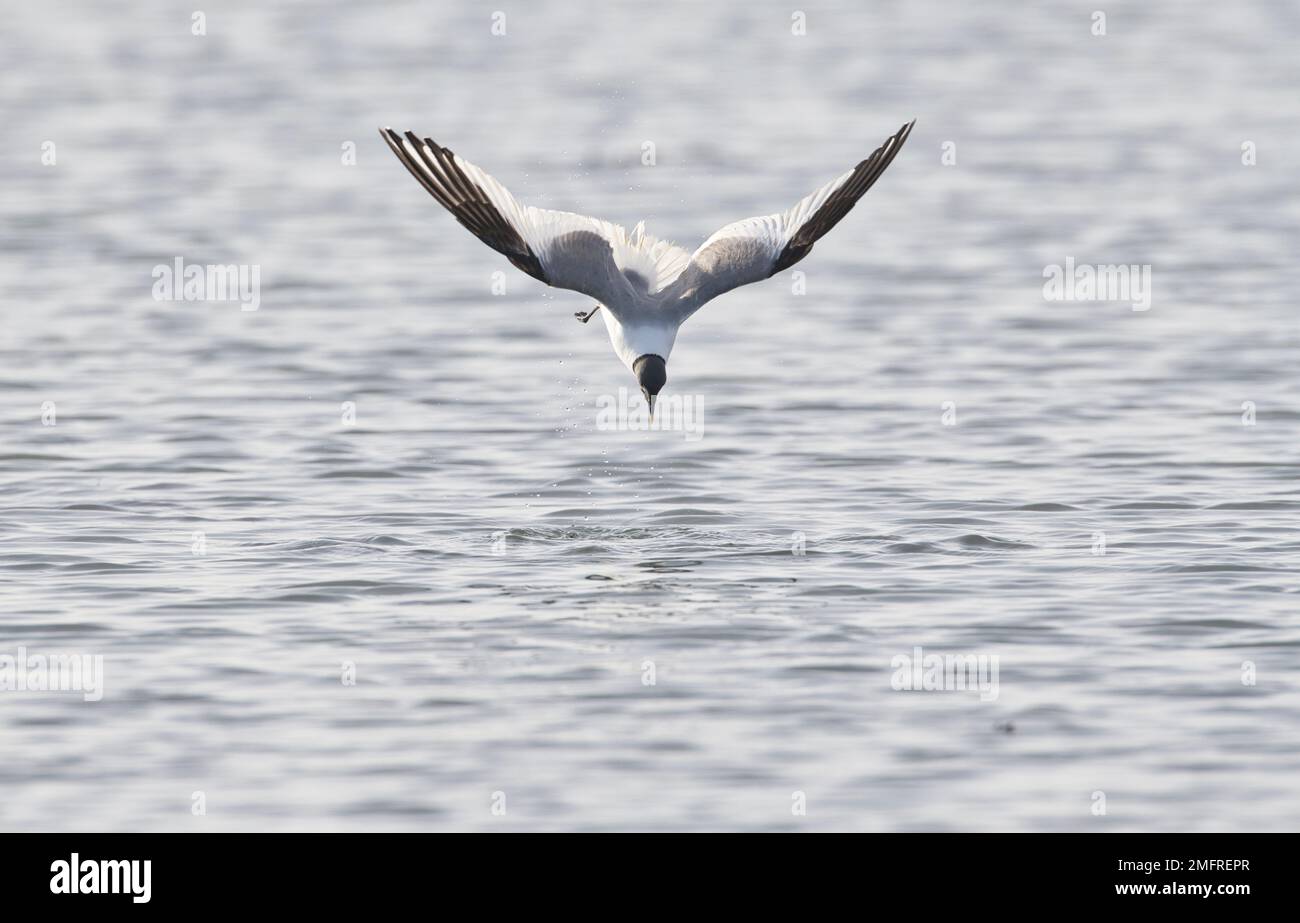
656	261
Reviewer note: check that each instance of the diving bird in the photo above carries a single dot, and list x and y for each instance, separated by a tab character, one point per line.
648	287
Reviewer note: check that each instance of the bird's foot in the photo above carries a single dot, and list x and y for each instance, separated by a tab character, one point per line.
586	316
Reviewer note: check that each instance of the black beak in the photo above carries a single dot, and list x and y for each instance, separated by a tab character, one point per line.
651	373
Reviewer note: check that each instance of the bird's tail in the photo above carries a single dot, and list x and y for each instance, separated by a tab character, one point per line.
655	261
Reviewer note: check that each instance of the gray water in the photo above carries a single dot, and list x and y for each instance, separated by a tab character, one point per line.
615	629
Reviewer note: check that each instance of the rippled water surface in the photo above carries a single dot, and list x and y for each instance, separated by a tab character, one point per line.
616	629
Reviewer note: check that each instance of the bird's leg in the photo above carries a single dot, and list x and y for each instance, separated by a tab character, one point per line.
586	316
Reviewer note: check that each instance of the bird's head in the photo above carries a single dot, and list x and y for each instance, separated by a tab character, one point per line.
651	374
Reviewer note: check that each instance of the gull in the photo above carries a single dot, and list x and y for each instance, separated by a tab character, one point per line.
648	287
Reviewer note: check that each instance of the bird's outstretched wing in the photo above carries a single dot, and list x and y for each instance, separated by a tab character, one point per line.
562	249
757	248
